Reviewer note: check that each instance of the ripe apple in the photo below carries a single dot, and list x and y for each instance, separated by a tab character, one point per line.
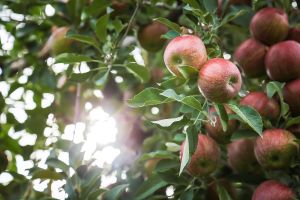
185	50
294	34
269	25
275	149
206	157
212	192
283	61
265	106
271	190
150	36
240	156
291	94
219	80
251	57
3	161
215	131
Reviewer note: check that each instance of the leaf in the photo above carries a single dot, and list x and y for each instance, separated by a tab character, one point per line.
222	193
80	77
188	72
83	38
232	16
158	154
167	122
55	163
174	81
210	5
173	147
166	164
192	3
190	146
141	72
69	58
292	121
149	187
148	97
241	134
101	78
277	87
170	35
169	24
223	115
101	27
115	192
47	174
249	116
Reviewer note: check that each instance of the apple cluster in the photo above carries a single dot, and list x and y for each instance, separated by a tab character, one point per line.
273	50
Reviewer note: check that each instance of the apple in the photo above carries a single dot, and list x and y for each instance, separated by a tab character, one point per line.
283	61
291	94
150	36
212	192
219	80
265	106
3	161
150	166
271	190
294	34
240	156
215	130
185	50
251	57
275	149
206	157
269	25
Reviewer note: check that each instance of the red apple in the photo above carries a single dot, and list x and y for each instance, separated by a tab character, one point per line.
269	25
215	130
291	94
273	190
251	57
275	149
185	50
150	36
265	106
206	157
294	34
240	156
219	80
283	61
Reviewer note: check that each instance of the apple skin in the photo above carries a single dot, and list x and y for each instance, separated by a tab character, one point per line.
212	194
283	61
3	161
219	80
206	157
150	166
150	36
265	106
185	50
275	149
291	94
251	57
240	156
269	25
216	132
294	34
271	190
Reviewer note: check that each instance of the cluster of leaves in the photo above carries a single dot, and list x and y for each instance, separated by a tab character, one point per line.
102	37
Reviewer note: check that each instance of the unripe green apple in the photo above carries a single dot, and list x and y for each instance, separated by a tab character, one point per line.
291	94
251	57
273	190
206	157
185	50
219	80
283	61
150	36
240	155
3	162
269	25
275	149
265	106
216	131
294	34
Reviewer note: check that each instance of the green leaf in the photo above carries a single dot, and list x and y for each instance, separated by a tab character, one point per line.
80	77
168	23
158	154
190	146
47	174
149	187
101	77
166	164
241	134
174	81
223	115
141	72
249	116
192	3
116	192
55	163
170	35
188	72
171	123
148	97
292	121
83	38
232	16
101	27
222	193
210	5
69	58
277	87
